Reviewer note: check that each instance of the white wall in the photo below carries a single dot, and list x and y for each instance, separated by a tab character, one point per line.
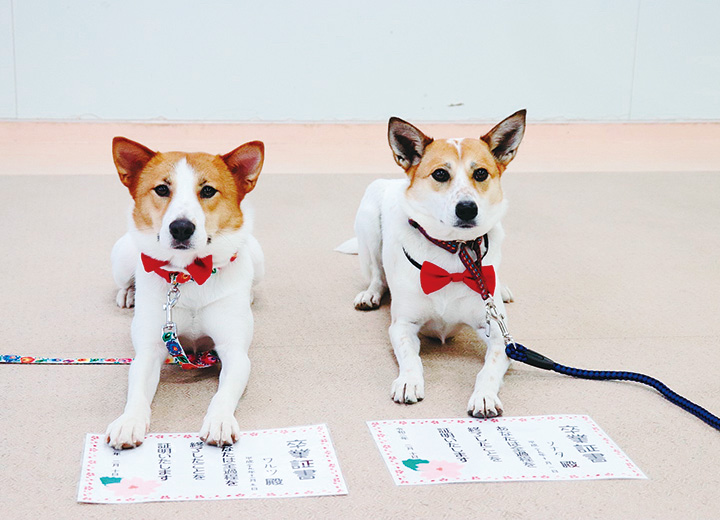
335	60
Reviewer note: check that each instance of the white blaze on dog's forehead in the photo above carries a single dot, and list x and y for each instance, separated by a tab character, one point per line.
184	181
184	197
184	173
457	143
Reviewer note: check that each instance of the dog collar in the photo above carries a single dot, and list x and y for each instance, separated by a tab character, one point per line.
479	278
199	270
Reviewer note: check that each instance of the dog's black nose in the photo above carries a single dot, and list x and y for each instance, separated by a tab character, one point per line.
181	229
466	210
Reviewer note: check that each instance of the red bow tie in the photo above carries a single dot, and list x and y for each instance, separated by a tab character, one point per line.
200	270
433	278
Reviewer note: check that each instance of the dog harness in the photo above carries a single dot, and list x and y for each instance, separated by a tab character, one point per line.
476	276
198	271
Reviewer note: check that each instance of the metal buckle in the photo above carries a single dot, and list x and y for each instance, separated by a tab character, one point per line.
492	313
173	295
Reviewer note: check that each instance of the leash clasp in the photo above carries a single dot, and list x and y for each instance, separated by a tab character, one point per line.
492	313
173	295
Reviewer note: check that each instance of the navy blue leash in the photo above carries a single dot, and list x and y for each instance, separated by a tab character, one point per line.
530	357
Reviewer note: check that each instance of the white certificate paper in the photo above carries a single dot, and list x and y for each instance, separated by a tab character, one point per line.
285	462
504	449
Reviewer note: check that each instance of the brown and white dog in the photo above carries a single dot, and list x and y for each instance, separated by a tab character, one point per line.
186	213
451	194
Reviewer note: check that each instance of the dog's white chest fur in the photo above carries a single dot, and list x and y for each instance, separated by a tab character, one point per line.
442	312
190	313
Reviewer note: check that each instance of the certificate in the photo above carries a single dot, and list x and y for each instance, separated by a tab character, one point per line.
503	449
285	462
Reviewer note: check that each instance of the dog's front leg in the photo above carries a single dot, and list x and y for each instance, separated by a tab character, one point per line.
232	334
128	430
409	387
484	401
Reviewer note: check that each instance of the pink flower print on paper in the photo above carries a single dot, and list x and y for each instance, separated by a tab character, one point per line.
128	487
435	469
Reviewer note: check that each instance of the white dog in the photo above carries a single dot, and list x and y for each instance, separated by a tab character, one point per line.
412	235
186	227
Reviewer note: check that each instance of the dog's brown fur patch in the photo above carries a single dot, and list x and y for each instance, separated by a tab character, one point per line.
461	159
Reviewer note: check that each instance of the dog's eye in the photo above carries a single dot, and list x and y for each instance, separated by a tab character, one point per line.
207	192
162	190
480	174
441	175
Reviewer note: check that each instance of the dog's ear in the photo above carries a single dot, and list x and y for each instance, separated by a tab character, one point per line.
245	163
130	159
407	142
505	138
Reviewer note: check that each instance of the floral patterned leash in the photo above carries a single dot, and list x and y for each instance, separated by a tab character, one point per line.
14	359
170	338
177	356
31	360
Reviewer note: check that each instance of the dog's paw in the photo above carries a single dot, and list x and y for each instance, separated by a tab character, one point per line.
408	389
506	293
127	431
367	300
484	405
126	298
220	430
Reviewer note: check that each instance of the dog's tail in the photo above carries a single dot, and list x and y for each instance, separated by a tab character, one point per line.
349	247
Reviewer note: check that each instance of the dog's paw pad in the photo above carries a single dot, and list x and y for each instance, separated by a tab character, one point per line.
220	430
367	300
408	389
484	405
127	431
126	298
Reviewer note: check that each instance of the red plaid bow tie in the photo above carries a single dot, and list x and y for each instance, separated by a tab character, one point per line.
433	278
200	270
